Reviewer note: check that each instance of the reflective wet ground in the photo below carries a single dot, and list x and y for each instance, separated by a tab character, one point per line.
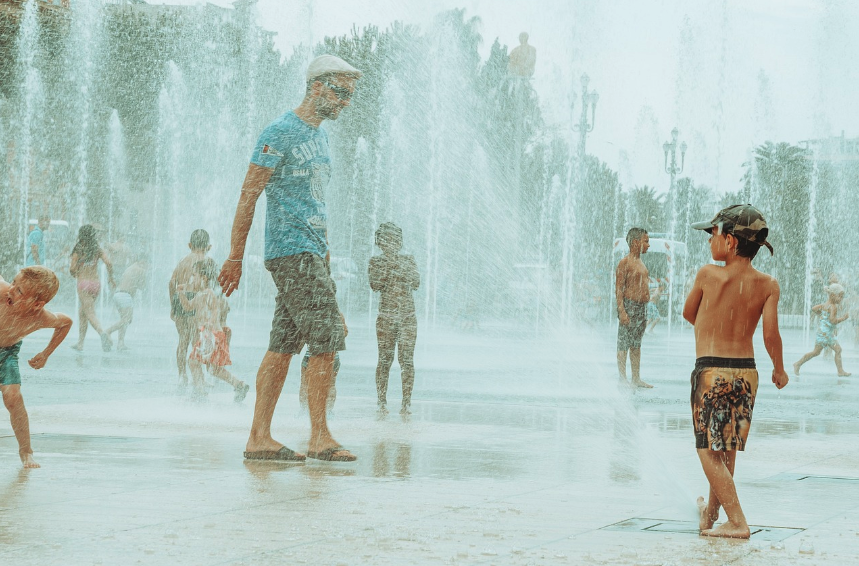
521	449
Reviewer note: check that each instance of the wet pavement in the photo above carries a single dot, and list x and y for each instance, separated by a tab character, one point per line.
521	449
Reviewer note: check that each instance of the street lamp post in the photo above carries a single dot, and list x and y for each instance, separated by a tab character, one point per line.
575	188
589	101
672	169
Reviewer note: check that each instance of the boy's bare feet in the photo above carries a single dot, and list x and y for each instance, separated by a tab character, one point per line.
845	374
27	460
638	383
728	530
707	519
796	369
78	347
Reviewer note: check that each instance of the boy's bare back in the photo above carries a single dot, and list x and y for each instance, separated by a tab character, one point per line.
726	304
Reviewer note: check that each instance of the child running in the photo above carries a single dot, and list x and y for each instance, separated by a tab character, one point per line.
22	311
829	320
725	306
210	316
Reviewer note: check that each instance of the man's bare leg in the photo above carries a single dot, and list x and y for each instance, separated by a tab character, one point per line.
197	374
20	422
635	361
320	369
721	480
621	365
270	379
709	511
183	328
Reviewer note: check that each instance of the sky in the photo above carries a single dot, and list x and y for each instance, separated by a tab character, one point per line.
728	74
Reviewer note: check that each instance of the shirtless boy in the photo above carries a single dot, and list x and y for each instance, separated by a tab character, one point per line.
133	279
211	347
725	306
632	291
184	319
22	311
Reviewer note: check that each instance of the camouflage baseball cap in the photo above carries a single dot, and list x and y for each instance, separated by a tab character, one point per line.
742	220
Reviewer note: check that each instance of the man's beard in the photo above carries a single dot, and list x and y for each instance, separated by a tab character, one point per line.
327	111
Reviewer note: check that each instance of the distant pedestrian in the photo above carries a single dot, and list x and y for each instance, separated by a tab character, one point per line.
182	318
395	276
36	242
212	343
84	267
132	280
633	294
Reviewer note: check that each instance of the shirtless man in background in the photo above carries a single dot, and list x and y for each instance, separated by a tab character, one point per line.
633	294
184	319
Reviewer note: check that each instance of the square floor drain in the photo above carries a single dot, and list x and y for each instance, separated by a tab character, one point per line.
691	528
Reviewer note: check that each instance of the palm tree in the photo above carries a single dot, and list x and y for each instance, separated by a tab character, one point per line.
646	209
781	175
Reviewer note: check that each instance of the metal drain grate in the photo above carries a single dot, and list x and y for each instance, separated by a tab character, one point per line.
812	477
81	438
691	528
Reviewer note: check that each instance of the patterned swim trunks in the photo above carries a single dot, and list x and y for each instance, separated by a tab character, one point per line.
629	335
723	397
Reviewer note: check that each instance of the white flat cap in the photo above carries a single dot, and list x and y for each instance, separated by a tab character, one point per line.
330	64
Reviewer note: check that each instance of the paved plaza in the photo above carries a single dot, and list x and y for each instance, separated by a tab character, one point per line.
521	449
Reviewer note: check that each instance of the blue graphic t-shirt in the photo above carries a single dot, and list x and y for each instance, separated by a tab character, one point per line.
296	218
36	238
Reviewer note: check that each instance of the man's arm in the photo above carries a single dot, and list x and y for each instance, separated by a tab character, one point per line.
619	288
772	337
376	274
415	280
61	325
255	181
693	301
109	266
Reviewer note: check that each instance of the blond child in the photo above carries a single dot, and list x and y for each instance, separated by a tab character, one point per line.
725	305
211	347
829	320
22	311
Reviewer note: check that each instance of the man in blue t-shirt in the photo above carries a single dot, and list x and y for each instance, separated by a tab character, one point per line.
291	163
36	242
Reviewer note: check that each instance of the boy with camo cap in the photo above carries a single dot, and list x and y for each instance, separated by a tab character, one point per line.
725	305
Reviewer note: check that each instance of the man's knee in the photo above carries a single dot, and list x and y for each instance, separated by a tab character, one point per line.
12	397
386	359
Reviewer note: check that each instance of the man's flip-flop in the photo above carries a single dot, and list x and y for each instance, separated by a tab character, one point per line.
330	455
282	455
